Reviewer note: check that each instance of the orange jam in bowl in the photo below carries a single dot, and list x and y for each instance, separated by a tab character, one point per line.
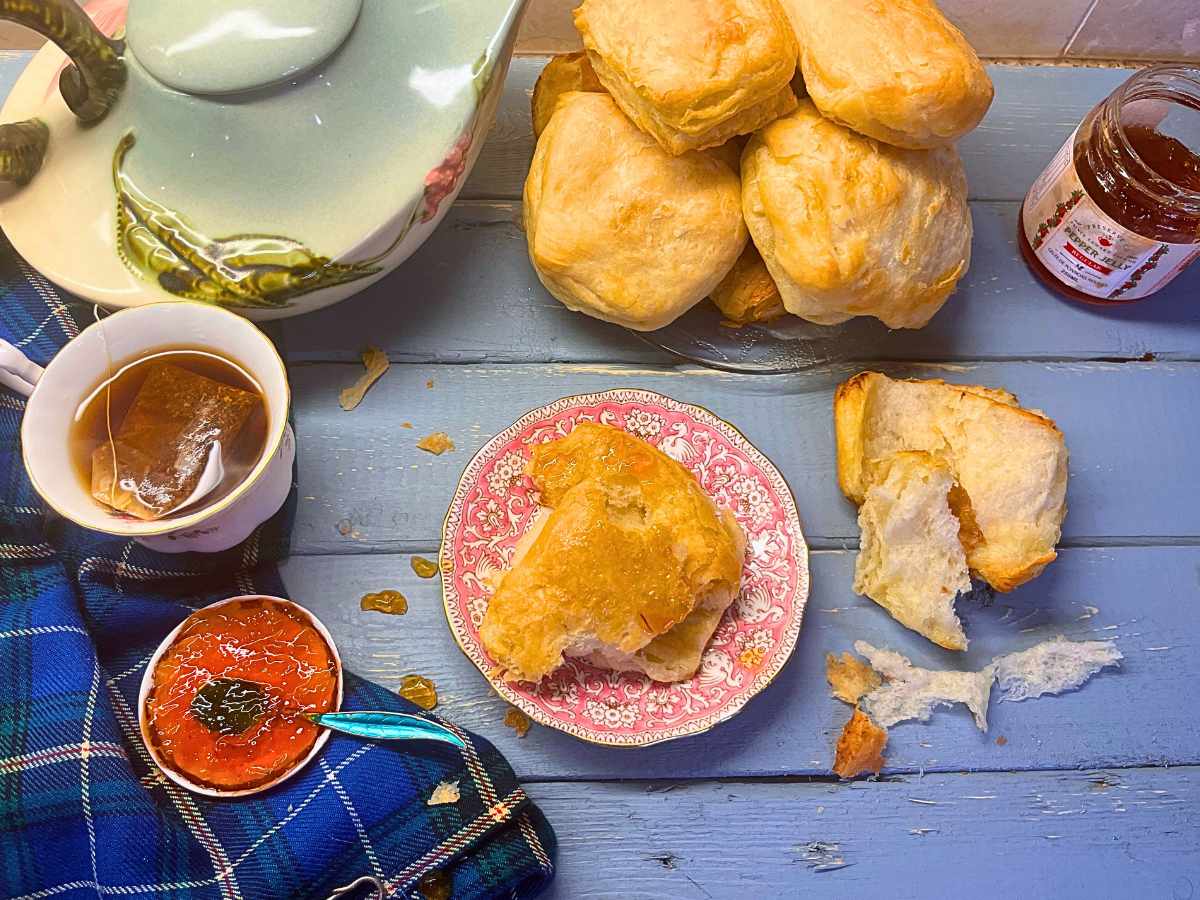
272	649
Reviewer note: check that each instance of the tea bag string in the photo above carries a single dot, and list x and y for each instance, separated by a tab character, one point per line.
112	443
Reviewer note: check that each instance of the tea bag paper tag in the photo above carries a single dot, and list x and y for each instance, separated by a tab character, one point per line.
210	478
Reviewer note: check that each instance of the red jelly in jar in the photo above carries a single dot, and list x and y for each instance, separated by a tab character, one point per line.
1116	214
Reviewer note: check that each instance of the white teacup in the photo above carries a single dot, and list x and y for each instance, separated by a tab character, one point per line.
56	393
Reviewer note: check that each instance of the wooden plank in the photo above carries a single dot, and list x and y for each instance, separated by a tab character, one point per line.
1035	108
1136	596
1131	833
366	487
435	308
468	295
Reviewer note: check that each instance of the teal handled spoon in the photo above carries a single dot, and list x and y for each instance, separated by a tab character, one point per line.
232	705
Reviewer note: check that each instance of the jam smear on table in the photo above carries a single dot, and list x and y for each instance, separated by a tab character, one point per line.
257	641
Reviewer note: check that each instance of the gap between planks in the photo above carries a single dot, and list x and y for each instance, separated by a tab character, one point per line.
675	365
816	544
895	776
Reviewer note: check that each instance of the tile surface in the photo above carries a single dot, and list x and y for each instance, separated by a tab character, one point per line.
1019	28
1141	29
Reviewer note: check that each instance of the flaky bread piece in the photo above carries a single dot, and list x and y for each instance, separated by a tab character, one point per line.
860	747
849	677
692	73
910	559
563	74
675	654
1011	463
633	565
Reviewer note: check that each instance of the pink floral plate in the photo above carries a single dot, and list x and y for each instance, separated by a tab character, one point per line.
495	503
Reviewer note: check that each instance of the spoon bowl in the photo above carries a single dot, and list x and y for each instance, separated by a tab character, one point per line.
232	705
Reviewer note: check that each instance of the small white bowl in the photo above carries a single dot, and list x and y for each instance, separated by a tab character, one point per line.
148	680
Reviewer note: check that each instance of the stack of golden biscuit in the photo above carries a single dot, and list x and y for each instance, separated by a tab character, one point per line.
675	161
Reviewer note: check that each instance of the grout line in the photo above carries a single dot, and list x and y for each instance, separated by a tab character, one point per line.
1087	14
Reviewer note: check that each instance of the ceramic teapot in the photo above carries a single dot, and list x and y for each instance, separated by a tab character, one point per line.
270	156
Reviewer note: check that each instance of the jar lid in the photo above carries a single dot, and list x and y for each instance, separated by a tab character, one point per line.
230	46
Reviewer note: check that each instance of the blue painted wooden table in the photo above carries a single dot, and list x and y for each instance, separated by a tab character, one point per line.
1093	794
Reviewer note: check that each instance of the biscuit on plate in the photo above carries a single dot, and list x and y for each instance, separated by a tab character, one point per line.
692	73
849	226
631	566
618	228
897	71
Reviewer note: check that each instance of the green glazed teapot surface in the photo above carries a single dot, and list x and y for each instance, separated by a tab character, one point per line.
271	156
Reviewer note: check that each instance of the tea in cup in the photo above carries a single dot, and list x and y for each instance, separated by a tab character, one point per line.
180	443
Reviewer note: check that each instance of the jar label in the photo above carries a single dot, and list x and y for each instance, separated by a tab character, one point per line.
1087	249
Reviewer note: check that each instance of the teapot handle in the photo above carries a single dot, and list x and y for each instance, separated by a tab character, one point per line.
17	371
89	87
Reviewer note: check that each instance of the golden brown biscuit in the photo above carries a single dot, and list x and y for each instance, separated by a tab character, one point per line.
632	567
692	73
620	229
748	293
851	227
1010	463
563	74
730	152
895	70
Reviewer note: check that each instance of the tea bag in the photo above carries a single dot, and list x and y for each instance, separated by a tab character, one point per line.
167	453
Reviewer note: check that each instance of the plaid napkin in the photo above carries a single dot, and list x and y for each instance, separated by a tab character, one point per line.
83	812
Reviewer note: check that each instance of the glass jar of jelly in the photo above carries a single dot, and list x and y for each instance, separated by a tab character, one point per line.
1116	214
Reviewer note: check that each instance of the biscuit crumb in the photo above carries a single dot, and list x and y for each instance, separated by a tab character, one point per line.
376	363
849	677
1001	741
860	747
446	792
517	721
437	443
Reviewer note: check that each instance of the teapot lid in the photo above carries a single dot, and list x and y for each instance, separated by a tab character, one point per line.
230	46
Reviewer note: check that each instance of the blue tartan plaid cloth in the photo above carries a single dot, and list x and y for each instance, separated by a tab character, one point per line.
84	813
